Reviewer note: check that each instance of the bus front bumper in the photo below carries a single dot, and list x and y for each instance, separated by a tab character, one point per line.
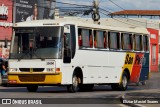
34	78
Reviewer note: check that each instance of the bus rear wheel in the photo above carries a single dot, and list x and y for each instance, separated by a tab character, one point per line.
32	88
124	83
74	87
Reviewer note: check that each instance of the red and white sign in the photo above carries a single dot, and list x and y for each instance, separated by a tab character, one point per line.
3	10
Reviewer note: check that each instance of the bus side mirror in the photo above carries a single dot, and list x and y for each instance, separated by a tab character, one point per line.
67	55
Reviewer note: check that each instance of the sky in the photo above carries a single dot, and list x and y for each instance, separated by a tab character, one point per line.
125	4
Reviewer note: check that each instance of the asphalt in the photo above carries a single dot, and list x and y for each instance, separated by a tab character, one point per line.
147	97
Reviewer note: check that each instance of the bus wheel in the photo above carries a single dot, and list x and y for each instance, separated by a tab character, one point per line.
74	87
144	82
124	82
32	88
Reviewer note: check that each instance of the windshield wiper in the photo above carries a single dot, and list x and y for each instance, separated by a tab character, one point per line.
26	52
30	52
33	52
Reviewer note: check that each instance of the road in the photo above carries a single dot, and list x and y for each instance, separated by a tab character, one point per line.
98	92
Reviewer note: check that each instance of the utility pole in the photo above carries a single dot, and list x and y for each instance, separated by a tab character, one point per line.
95	14
52	9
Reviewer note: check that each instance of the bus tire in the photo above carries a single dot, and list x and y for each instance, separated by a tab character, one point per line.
32	88
74	87
124	83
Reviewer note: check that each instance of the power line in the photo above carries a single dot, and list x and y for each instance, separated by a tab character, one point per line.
69	4
116	5
119	20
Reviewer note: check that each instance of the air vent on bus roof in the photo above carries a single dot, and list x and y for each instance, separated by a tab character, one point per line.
50	23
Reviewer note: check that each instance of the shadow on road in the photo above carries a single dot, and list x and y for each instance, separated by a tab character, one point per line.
54	89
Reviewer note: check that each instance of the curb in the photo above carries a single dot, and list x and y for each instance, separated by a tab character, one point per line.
122	98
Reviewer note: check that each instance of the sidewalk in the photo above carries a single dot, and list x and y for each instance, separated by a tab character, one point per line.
149	96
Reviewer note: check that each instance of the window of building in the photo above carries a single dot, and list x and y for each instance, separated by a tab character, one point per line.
159	40
85	38
113	40
138	42
145	43
153	54
127	41
100	39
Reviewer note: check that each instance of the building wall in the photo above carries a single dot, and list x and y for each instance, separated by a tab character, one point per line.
5	26
154	34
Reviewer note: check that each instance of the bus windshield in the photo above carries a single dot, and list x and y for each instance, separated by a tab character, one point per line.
37	43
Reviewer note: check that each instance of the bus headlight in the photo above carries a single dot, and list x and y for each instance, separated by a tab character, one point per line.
50	69
13	70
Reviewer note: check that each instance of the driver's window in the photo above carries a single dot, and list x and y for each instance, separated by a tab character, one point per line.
67	40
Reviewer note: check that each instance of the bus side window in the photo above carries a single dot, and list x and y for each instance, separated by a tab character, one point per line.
99	39
86	38
95	39
105	39
145	42
90	41
126	41
138	42
80	37
114	40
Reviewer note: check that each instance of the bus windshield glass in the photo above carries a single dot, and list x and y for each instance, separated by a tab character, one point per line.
36	43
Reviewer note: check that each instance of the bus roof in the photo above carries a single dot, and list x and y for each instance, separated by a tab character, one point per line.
80	23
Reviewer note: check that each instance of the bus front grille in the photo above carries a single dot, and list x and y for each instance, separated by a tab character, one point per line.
31	69
31	78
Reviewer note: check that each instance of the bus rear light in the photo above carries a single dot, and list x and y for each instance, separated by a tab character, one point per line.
58	69
12	81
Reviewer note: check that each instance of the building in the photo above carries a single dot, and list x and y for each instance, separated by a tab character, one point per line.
5	27
153	49
140	13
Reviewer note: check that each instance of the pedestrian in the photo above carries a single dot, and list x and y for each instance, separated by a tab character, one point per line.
3	65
